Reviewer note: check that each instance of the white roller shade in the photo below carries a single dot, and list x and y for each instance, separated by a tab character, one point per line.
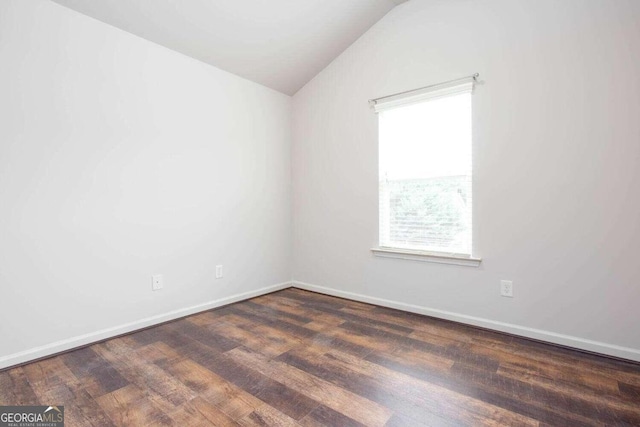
464	85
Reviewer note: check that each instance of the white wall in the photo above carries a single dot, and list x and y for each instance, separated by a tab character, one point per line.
120	159
557	166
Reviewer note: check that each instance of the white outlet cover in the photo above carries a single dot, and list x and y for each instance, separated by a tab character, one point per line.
156	282
218	272
506	288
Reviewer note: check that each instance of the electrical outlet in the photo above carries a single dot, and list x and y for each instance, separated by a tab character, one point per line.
506	288
156	282
218	272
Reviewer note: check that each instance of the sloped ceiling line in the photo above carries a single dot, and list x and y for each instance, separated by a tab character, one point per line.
281	44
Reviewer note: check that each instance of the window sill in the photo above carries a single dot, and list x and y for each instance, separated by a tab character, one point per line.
416	255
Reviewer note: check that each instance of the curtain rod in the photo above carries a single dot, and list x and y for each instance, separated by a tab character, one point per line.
473	76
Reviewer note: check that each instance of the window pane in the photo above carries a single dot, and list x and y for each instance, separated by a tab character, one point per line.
425	175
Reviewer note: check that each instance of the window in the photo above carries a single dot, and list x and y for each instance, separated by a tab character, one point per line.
425	170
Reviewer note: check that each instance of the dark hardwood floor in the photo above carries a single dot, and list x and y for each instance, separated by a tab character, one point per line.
300	358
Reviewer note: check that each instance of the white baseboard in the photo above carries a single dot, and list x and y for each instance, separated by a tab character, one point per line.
82	340
537	334
552	337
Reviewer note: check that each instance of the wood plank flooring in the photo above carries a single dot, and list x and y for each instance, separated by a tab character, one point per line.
297	358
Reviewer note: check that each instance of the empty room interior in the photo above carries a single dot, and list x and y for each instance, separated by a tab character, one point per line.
319	213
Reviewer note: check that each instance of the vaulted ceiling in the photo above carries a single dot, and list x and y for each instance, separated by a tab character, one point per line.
281	44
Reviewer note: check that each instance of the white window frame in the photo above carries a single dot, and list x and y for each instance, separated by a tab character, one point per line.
465	85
